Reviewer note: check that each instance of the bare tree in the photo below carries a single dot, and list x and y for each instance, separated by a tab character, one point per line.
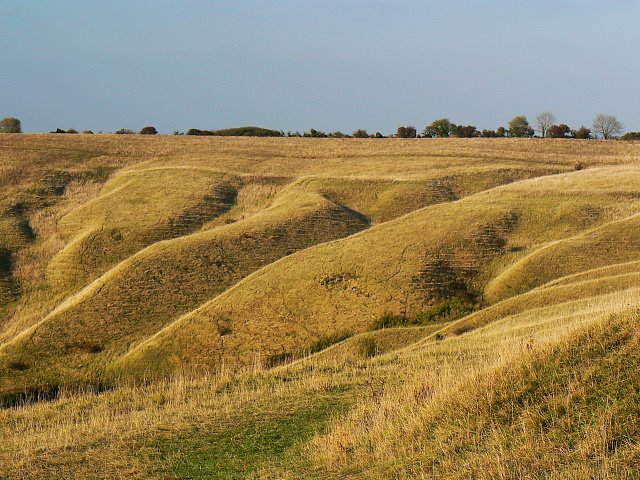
607	126
544	121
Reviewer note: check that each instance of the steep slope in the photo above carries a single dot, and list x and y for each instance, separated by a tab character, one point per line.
134	210
451	249
567	409
163	281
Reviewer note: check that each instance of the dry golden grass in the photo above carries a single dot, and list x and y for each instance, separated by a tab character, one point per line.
133	257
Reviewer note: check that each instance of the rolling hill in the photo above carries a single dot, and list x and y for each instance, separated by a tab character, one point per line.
178	300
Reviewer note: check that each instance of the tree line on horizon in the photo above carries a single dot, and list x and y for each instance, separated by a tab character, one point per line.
603	126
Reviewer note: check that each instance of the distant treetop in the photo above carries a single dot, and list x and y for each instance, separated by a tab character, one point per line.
237	132
10	125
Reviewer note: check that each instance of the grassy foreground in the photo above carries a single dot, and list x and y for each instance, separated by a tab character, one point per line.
212	308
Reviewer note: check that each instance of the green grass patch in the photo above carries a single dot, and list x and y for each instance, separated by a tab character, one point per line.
271	438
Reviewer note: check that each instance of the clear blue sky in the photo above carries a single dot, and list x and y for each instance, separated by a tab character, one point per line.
324	64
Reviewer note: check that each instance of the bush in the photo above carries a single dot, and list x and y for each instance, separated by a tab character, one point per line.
88	132
125	131
448	309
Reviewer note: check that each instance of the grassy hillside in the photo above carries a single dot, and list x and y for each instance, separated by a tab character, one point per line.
246	282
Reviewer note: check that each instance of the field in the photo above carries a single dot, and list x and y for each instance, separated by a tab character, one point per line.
205	307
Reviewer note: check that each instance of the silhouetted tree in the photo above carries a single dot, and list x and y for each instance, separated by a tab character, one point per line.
501	132
10	125
607	126
558	131
519	127
583	133
488	133
360	133
544	121
464	131
315	133
406	132
149	131
339	134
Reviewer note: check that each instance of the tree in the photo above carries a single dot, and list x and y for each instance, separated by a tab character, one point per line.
10	125
607	126
315	133
544	121
464	131
519	127
360	133
558	131
149	131
583	133
439	128
501	132
406	132
631	136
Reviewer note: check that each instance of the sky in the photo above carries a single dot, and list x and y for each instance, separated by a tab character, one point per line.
324	64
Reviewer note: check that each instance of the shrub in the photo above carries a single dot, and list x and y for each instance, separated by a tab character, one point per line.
448	309
88	132
125	131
